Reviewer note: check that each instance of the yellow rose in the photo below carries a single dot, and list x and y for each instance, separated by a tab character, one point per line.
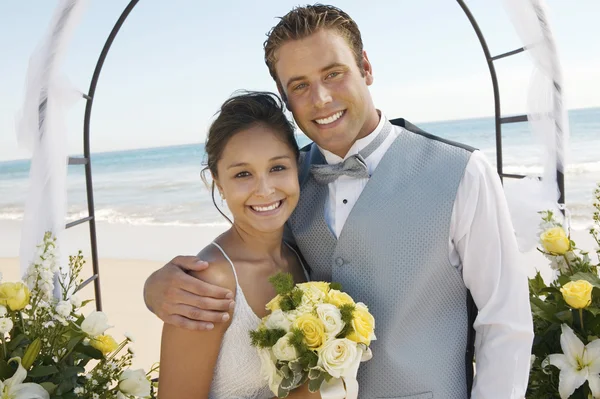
312	328
319	285
104	343
339	298
555	240
14	295
363	325
273	304
578	294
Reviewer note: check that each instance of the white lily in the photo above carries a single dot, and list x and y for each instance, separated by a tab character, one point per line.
578	364
13	387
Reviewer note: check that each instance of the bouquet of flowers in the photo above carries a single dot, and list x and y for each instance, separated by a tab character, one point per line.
566	315
315	333
49	350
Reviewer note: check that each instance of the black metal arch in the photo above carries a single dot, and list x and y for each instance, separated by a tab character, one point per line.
86	160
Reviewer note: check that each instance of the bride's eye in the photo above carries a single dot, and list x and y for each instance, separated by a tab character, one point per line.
278	168
242	174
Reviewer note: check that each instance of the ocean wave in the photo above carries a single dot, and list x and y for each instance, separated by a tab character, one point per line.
572	169
113	216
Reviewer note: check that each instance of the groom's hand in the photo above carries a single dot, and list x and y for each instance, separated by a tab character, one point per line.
183	300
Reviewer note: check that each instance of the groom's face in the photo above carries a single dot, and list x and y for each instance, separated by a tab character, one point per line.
326	90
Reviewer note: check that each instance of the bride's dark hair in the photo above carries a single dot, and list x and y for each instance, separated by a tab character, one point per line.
240	112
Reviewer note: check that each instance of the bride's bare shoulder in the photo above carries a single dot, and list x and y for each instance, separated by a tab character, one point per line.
219	271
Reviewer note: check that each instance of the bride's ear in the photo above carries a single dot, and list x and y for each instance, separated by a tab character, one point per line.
218	186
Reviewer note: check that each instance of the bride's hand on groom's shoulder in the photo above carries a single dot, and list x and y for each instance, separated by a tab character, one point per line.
183	300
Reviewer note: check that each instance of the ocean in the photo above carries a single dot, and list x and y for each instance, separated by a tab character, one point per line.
162	186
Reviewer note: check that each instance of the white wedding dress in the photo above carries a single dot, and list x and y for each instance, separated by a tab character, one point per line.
237	373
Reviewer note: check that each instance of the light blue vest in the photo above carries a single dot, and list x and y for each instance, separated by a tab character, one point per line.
392	254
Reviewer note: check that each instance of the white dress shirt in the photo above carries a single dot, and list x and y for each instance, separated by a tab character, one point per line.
482	245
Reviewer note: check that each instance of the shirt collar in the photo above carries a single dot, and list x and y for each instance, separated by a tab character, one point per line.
358	145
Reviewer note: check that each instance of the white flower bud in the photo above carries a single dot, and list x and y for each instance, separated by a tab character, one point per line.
64	308
6	324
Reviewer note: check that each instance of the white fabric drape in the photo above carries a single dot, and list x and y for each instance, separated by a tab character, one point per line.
41	129
547	118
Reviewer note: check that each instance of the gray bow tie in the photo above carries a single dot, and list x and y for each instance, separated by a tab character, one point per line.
355	165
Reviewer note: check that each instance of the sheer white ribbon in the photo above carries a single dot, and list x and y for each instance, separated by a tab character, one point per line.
547	118
41	129
346	387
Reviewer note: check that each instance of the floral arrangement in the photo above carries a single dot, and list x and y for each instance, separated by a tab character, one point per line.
48	350
315	333
566	315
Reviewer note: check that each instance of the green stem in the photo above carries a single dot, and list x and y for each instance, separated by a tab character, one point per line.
22	322
568	264
116	351
4	347
581	319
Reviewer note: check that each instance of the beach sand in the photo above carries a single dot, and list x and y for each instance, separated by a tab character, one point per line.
129	254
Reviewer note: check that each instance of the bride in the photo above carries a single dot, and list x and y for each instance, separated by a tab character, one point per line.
253	160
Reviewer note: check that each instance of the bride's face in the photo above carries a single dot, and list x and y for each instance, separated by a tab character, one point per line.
258	176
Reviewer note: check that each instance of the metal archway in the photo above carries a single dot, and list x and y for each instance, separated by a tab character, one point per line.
86	160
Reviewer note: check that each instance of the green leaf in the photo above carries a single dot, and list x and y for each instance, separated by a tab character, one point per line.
49	387
42	371
288	383
282	393
6	371
313	374
315	384
544	310
594	280
593	310
536	284
76	339
89	351
65	387
550	290
72	371
15	342
565	316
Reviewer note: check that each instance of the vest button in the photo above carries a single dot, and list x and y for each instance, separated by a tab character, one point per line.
339	261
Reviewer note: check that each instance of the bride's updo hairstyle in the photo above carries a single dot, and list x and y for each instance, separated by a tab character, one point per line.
243	111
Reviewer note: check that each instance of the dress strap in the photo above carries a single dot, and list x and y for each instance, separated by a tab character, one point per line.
229	260
299	260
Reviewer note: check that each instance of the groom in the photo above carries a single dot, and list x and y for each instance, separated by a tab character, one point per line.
415	226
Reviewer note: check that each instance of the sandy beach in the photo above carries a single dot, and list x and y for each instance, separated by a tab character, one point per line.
128	254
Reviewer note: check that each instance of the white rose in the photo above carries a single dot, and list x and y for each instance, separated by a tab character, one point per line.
283	350
278	319
6	325
338	356
3	311
268	369
95	324
134	382
75	301
331	317
64	308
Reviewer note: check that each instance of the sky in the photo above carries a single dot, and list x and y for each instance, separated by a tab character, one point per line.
173	63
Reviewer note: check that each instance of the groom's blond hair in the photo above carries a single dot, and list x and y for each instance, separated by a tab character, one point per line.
302	22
